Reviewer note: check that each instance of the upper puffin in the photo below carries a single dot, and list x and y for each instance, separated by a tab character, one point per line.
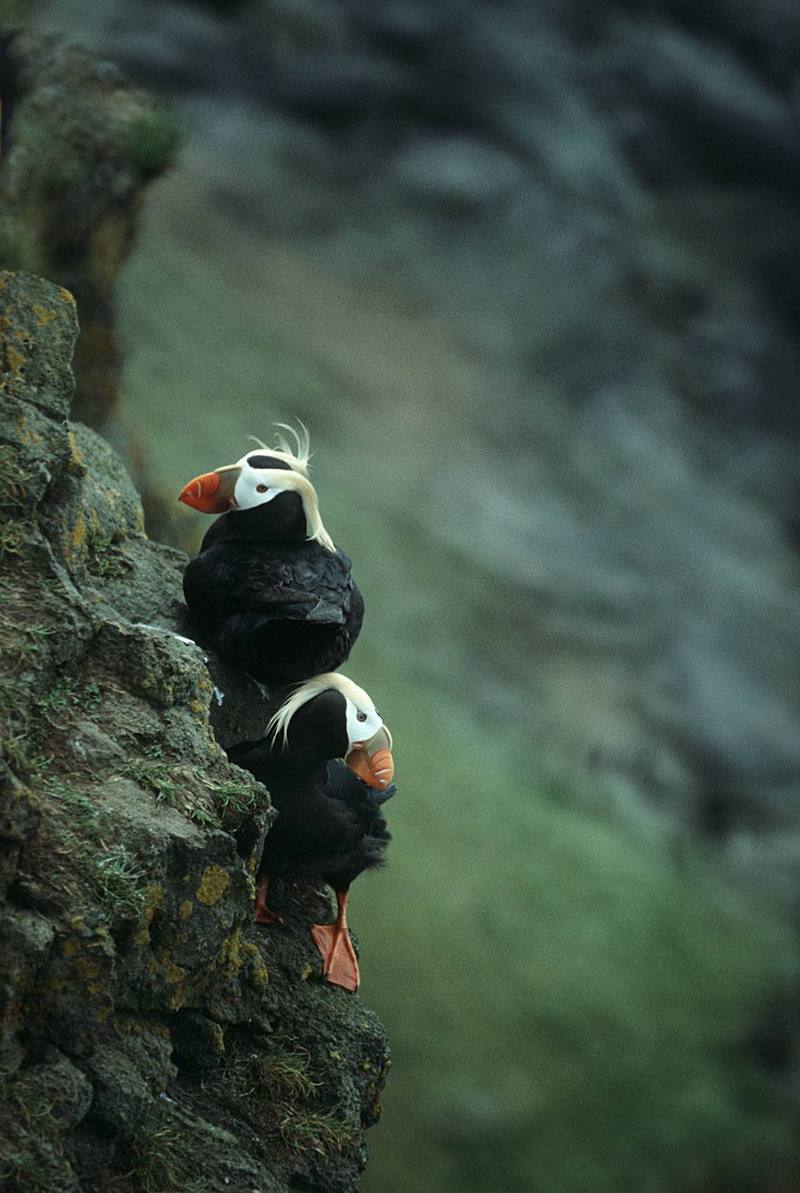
269	590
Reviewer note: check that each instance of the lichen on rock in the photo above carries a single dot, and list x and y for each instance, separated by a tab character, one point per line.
144	1019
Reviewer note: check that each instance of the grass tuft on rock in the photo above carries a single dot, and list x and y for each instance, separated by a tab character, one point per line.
273	1076
161	1161
322	1134
119	882
231	796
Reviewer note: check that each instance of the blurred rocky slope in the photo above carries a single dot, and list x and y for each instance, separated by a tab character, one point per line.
549	252
150	1038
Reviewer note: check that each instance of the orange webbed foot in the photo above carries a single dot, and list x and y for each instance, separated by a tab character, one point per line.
339	961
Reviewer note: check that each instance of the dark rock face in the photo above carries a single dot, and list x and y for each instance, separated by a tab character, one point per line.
150	1037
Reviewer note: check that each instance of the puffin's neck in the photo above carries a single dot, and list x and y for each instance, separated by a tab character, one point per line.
281	520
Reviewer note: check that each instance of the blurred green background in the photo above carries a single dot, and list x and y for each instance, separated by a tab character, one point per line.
528	274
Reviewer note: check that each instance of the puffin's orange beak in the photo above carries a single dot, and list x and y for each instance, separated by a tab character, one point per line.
212	493
372	760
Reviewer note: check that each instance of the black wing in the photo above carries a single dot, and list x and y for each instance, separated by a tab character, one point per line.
303	584
344	785
281	612
345	790
312	837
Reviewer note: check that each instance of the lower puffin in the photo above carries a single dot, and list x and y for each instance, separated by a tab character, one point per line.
330	824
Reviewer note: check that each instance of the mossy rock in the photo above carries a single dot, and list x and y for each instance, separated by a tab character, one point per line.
128	847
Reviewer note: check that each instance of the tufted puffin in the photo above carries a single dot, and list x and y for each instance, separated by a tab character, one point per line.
269	590
329	824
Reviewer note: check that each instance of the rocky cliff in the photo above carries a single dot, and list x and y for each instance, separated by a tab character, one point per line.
150	1037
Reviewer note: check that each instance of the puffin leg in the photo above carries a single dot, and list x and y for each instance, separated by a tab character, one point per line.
339	962
263	914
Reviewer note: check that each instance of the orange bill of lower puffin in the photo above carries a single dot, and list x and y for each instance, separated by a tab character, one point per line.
212	493
372	760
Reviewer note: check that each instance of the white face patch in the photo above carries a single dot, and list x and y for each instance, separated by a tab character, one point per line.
357	704
251	488
363	720
256	485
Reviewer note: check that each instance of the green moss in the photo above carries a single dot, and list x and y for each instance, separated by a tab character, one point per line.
202	816
28	1162
13	537
150	140
33	1107
69	695
275	1092
16	741
278	1092
266	1078
23	1168
105	556
14	480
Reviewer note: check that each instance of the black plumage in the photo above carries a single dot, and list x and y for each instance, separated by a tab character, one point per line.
268	599
330	823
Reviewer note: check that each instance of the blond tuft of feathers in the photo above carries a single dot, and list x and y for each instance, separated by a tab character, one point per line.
296	457
279	723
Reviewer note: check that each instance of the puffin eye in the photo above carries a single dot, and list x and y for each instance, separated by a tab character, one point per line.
261	488
361	716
